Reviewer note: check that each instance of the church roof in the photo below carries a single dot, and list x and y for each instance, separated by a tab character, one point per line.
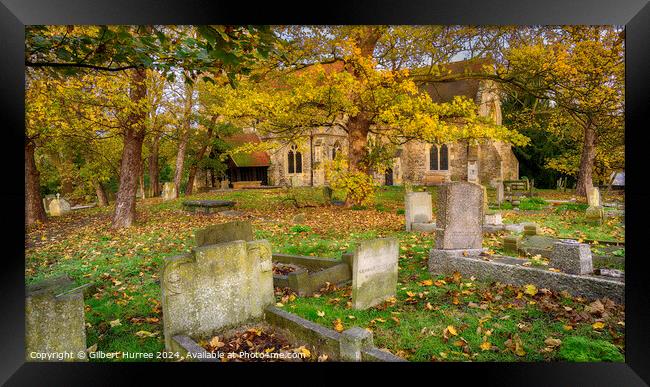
253	159
446	91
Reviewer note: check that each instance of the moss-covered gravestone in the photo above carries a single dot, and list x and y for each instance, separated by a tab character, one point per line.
374	272
54	321
215	287
224	232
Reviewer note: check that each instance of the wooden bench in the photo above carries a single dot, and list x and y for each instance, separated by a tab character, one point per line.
242	184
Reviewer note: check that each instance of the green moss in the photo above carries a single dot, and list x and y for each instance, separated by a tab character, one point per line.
582	349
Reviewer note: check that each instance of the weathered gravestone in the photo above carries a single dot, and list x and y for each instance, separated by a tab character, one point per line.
54	321
374	272
593	197
531	228
418	211
500	193
169	191
595	212
511	244
460	215
572	257
215	287
224	184
224	232
59	206
47	199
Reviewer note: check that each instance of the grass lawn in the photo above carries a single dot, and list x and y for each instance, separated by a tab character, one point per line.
431	318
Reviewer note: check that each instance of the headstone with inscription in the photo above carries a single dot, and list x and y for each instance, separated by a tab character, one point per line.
374	272
460	216
215	287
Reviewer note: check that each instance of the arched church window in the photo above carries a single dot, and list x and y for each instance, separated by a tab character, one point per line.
294	160
444	157
439	158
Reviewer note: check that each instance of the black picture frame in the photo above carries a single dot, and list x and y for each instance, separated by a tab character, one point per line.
634	14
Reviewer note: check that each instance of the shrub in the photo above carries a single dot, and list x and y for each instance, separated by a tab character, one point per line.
358	186
300	228
582	349
580	207
400	211
532	203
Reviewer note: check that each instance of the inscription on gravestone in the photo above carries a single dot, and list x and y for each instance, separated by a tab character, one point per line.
214	287
460	216
374	272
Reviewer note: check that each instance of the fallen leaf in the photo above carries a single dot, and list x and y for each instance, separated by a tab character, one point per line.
530	289
452	330
115	323
552	342
486	346
598	325
320	313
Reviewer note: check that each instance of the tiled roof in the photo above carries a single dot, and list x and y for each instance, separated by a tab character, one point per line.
254	159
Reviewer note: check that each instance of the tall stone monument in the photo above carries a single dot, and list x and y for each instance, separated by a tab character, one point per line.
459	221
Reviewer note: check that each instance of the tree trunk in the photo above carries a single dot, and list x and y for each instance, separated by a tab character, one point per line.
199	156
154	173
34	210
185	136
358	128
131	164
102	198
587	158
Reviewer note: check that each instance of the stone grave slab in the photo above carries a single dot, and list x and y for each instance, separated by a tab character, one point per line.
224	232
215	287
374	272
54	321
418	211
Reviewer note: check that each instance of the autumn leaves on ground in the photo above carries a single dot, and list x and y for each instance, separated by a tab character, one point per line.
432	318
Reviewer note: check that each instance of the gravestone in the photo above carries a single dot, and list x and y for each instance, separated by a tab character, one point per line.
215	287
572	257
418	211
224	184
460	216
531	228
511	244
54	321
59	206
374	272
593	197
500	193
224	232
494	219
299	218
46	202
169	191
595	212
